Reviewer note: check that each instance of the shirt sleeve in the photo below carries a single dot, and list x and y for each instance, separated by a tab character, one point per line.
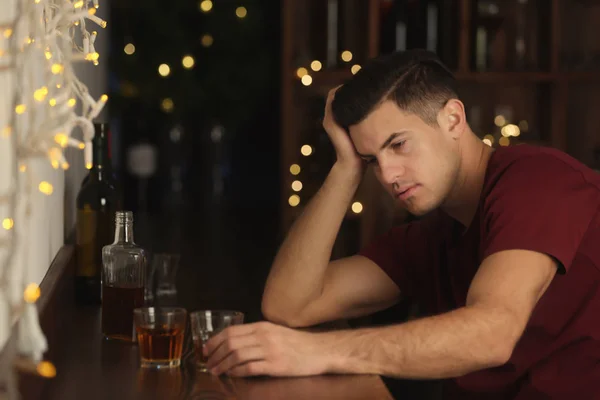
391	252
539	203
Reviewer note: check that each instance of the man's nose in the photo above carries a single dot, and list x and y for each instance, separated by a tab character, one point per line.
391	172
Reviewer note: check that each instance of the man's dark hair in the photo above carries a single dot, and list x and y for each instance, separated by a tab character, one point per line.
416	80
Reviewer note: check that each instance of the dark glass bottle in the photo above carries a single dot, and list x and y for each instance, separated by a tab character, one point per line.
97	202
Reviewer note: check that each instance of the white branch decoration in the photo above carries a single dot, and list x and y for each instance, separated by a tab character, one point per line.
39	41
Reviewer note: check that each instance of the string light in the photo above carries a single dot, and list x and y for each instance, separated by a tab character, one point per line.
357	207
8	223
488	142
306	150
241	12
296	186
188	62
347	56
46	369
32	293
57	68
355	68
61	139
306	80
206	6
316	65
57	35
294	200
294	169
129	49
164	70
46	188
207	40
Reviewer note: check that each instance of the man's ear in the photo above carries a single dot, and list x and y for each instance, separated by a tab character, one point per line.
452	118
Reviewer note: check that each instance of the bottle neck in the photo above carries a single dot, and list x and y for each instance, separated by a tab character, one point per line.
124	232
100	155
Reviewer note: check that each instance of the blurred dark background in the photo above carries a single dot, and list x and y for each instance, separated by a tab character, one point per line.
216	110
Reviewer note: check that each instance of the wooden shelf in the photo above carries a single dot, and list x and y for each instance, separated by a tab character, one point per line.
505	77
527	77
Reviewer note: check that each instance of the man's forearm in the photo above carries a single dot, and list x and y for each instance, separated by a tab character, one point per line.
298	271
442	346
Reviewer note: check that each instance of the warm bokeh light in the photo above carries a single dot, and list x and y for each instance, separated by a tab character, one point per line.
188	62
129	49
46	369
88	165
306	150
294	169
52	102
8	33
207	40
71	102
488	142
300	72
167	105
241	12
355	68
164	70
504	141
8	223
316	65
32	293
294	200
347	56
20	109
510	130
306	80
6	131
499	120
296	186
357	207
206	5
22	168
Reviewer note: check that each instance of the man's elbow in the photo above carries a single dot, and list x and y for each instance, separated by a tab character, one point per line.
281	316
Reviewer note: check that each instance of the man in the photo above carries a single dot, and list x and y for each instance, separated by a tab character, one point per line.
505	260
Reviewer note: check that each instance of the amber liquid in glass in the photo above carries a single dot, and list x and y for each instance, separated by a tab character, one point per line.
118	304
160	344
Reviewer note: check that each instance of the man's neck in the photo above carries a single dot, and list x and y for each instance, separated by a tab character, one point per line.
464	199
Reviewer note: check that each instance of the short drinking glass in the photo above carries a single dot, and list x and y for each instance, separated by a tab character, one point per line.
206	324
160	334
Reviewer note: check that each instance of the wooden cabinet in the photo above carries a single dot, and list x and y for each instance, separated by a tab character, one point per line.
533	64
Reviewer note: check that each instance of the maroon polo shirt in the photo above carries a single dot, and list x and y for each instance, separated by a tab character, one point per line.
535	199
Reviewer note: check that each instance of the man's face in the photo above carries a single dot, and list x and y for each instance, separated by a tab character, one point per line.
415	162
